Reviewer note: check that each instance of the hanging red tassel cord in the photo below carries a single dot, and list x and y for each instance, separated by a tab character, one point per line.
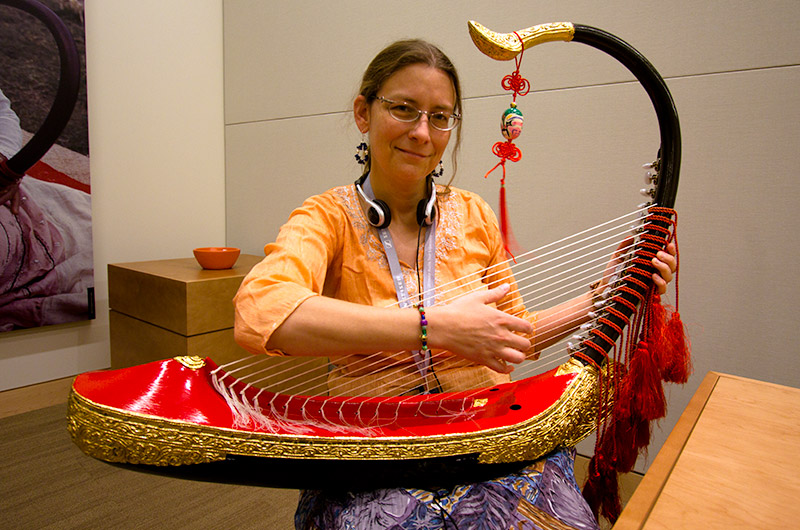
506	151
654	351
511	127
676	359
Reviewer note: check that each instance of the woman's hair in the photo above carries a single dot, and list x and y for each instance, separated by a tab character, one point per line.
404	53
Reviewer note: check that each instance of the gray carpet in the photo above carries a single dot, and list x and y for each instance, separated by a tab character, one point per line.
46	482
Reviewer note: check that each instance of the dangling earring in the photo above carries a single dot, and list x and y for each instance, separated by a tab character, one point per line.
439	171
362	152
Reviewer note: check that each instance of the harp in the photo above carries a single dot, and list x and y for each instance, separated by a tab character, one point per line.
188	410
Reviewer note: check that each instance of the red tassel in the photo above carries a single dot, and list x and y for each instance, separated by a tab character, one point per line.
509	240
628	431
676	365
617	444
644	380
601	489
504	228
670	345
656	321
642	433
662	354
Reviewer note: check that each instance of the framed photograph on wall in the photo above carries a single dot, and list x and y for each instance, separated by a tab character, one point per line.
46	266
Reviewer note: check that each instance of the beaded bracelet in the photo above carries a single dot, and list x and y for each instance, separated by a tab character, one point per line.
423	324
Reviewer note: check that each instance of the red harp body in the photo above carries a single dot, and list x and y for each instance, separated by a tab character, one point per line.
170	413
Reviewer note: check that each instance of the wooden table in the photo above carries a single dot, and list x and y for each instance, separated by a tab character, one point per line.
730	462
172	307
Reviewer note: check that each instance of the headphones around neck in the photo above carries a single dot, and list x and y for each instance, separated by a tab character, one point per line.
379	215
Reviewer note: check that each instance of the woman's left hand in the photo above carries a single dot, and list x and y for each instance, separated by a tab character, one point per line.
552	325
666	263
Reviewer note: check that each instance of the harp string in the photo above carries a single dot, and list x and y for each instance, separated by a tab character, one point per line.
341	423
556	356
579	281
277	419
581	287
534	257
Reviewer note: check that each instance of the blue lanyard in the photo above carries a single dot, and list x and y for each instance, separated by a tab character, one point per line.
428	275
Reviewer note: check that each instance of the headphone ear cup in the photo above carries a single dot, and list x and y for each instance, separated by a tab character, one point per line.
426	211
379	214
426	208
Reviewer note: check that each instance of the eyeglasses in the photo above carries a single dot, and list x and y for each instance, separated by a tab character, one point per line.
408	113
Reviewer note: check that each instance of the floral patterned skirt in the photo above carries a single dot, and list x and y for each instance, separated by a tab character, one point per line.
543	496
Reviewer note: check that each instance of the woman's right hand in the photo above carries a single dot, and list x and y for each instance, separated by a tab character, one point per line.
474	329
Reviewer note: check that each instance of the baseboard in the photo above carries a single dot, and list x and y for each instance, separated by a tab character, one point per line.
33	397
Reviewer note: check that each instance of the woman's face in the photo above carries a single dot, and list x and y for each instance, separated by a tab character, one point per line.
403	151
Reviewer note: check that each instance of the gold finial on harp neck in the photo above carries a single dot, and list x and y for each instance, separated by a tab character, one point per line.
506	46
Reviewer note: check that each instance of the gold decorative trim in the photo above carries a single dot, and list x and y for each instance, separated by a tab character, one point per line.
114	435
506	46
191	361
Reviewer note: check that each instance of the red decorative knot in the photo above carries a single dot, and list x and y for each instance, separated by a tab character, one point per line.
648	250
664	214
516	83
642	261
655	227
507	151
660	240
626	289
637	281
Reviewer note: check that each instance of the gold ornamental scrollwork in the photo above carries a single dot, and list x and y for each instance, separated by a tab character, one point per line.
192	362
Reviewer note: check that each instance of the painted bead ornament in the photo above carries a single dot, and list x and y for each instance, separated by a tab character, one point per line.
512	122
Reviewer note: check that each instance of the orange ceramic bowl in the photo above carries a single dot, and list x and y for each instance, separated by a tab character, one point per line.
216	257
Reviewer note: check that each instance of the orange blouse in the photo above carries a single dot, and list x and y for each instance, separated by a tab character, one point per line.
328	248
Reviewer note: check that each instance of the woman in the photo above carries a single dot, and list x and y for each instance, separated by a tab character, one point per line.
327	285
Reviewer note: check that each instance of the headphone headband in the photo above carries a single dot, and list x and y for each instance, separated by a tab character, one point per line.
379	215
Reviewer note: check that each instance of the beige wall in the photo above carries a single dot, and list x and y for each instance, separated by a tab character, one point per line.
157	161
733	68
